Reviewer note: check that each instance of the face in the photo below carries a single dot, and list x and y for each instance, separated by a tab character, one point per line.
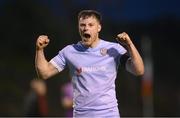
89	29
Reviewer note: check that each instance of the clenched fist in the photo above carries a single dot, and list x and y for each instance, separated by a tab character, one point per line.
124	39
42	42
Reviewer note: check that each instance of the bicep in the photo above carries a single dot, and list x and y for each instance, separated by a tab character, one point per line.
128	65
52	70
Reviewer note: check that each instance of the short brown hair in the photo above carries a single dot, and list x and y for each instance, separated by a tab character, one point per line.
89	13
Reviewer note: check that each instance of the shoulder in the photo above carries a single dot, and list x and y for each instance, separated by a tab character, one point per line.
66	48
111	44
114	47
107	42
71	48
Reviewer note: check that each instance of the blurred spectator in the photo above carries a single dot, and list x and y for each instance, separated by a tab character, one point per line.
67	99
36	101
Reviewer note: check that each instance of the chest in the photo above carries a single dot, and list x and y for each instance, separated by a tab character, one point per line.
97	61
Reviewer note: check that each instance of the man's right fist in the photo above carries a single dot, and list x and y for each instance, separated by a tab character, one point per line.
42	42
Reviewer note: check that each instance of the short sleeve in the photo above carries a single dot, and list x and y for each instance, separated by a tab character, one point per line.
59	61
121	49
123	59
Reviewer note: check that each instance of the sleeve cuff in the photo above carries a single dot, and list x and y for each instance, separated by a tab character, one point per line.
55	65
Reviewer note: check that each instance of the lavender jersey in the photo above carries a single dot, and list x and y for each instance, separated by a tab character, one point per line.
93	72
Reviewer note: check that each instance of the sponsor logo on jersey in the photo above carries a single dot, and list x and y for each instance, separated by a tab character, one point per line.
78	71
90	69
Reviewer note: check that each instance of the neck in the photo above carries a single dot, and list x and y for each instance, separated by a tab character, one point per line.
95	43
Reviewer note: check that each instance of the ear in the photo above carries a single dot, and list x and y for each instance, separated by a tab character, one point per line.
99	28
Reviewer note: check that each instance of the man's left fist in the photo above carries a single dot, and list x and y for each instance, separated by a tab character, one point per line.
124	38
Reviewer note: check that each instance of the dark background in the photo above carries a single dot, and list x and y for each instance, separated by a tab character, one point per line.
22	21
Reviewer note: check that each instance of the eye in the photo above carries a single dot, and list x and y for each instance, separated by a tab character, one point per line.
82	25
91	24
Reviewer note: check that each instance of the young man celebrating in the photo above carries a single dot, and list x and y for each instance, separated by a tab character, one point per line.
93	65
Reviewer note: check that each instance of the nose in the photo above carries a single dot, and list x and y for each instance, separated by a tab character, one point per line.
85	28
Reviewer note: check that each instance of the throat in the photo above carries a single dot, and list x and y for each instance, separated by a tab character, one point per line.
94	43
91	42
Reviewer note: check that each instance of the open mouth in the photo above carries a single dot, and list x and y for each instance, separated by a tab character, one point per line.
87	35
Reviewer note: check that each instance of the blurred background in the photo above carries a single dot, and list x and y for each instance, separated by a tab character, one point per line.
154	26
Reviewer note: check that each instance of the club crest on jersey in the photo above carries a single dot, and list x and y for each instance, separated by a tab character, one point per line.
103	51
